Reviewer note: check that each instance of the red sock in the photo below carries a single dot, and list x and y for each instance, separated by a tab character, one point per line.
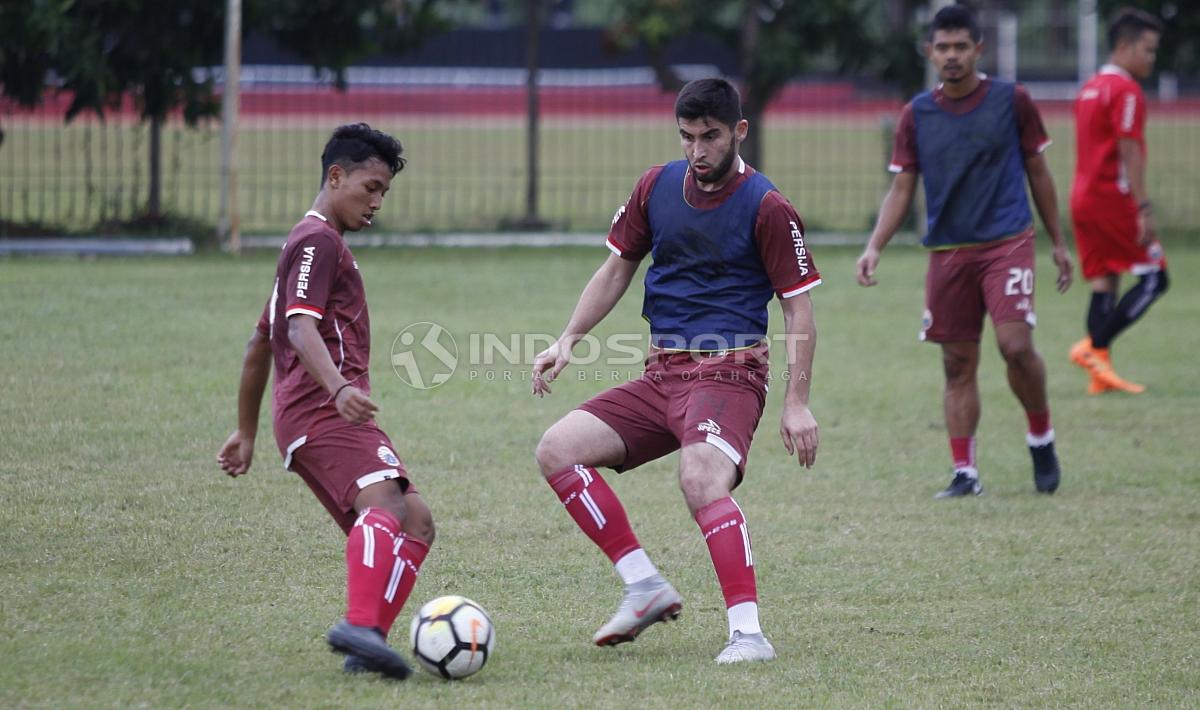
728	540
408	554
596	510
1039	422
962	450
369	565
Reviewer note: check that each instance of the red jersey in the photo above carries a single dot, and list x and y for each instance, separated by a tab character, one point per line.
1110	106
317	276
778	231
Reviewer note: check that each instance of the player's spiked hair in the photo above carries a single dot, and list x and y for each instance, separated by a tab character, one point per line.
955	17
709	98
1129	24
353	144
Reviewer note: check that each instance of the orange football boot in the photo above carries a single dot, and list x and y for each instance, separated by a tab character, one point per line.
1098	364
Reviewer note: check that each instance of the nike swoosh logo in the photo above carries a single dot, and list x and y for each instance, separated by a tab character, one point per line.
639	613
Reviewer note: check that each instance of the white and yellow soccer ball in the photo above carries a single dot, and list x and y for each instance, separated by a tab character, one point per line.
452	637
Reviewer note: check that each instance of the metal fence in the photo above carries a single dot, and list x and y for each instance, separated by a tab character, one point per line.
465	133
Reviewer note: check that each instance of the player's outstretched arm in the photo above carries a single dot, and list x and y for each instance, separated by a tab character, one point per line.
351	402
797	426
1041	185
891	216
602	292
235	455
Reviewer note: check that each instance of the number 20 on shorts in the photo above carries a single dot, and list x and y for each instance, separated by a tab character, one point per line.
1020	282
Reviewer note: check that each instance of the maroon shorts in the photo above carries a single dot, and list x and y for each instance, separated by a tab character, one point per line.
338	463
683	398
1108	244
963	284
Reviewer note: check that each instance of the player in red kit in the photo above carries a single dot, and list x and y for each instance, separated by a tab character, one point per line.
1110	207
316	329
723	243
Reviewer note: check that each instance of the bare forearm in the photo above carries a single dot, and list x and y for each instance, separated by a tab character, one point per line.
801	343
1134	162
1046	201
256	369
599	297
893	210
309	347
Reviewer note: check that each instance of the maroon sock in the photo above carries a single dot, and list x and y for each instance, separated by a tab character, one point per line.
1039	422
596	510
728	540
369	565
962	450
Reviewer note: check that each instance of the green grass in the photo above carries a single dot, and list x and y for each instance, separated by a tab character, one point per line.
469	174
134	574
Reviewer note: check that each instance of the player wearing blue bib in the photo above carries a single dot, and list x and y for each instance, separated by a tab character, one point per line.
975	141
723	242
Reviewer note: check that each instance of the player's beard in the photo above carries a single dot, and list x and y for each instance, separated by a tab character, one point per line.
949	79
719	171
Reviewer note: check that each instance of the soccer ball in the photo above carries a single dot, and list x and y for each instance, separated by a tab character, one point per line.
452	637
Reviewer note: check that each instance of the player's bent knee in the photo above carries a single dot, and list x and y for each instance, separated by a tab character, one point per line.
385	495
698	491
549	454
706	474
418	519
1017	351
958	368
421	527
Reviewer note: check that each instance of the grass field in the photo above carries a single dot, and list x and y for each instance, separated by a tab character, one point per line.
469	173
134	574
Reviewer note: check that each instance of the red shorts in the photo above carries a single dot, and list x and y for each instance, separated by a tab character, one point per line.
962	284
683	398
339	463
1108	244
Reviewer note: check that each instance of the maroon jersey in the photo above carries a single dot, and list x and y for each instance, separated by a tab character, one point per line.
778	231
1031	130
317	276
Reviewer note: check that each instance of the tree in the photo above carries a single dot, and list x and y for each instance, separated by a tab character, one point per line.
334	34
162	54
774	41
101	51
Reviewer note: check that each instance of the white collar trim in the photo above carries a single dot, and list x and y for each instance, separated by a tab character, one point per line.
318	215
741	166
1114	69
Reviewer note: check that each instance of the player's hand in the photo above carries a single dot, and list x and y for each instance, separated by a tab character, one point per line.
1066	267
549	364
235	455
1147	232
800	434
354	405
865	267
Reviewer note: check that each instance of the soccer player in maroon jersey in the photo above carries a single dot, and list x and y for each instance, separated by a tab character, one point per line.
1110	207
316	328
723	243
975	141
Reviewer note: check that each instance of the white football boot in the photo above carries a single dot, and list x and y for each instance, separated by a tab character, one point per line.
743	648
645	603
